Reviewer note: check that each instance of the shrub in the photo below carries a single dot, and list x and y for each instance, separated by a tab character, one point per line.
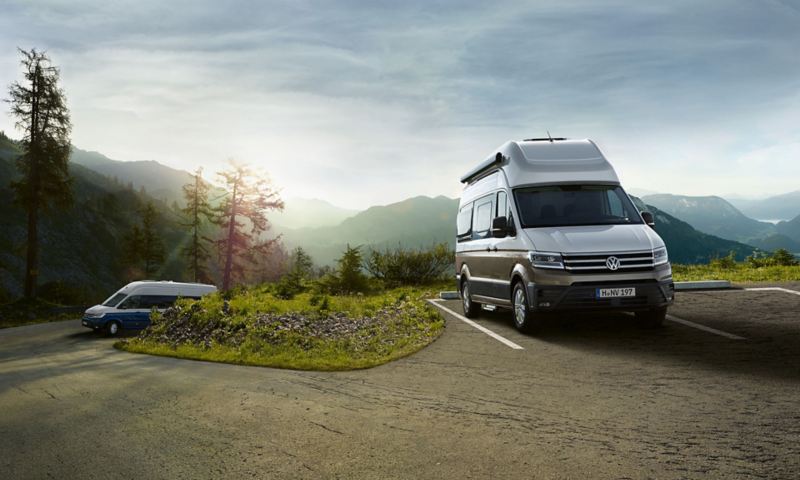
780	257
784	258
295	280
727	262
410	267
63	293
348	277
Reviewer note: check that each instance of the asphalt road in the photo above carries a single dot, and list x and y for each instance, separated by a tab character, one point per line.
592	397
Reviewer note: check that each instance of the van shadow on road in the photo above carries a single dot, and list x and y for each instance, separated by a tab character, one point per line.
769	350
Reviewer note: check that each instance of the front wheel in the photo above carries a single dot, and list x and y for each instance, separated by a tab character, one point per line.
652	318
524	319
113	328
470	308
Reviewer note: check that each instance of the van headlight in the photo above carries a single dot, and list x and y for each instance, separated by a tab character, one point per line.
660	256
546	260
95	315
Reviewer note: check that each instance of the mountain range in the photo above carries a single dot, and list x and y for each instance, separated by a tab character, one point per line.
81	245
778	207
716	216
158	181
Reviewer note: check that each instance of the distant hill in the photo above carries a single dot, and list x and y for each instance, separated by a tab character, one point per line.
712	215
411	223
158	180
783	206
776	241
687	245
790	229
304	212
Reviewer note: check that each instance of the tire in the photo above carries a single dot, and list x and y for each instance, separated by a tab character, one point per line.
471	308
113	328
652	318
524	319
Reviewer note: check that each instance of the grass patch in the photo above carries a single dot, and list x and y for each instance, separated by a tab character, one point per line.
308	332
738	272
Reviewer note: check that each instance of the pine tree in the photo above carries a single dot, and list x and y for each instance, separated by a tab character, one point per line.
197	213
143	249
40	108
301	264
132	249
242	218
152	245
350	276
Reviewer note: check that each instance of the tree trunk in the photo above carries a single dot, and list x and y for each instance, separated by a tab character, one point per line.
196	246
32	260
226	279
32	247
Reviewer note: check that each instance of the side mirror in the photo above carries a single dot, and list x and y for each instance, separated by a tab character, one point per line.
648	219
500	227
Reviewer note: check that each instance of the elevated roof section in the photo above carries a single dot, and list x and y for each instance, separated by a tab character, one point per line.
547	162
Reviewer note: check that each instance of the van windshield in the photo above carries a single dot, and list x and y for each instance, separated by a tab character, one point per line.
114	300
574	205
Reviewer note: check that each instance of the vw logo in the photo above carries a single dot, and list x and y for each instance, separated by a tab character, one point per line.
612	263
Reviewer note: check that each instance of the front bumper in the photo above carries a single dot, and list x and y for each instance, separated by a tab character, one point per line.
93	322
581	296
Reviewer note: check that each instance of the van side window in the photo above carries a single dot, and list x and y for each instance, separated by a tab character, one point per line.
464	222
131	302
482	218
149	301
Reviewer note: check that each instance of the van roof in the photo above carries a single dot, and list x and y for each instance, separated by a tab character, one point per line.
546	161
166	282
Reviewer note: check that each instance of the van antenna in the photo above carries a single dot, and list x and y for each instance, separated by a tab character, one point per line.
548	136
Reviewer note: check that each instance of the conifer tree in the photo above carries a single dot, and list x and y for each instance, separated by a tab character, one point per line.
143	248
40	108
197	213
152	245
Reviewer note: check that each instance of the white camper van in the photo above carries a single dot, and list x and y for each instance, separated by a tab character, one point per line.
544	226
130	307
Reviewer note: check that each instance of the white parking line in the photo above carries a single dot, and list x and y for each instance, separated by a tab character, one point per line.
483	329
673	318
773	289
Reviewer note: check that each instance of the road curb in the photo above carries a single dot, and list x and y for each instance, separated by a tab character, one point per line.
703	285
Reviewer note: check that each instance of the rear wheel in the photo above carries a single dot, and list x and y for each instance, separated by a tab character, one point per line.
470	308
524	319
113	328
652	318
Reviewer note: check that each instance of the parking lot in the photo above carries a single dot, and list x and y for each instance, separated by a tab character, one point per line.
713	394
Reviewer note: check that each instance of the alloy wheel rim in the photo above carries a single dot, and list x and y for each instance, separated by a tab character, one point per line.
113	328
465	296
519	307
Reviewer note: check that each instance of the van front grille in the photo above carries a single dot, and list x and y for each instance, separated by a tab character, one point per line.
599	262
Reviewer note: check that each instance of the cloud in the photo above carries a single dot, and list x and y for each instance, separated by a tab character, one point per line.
371	102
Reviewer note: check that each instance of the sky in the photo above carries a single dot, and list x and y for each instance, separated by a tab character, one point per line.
363	103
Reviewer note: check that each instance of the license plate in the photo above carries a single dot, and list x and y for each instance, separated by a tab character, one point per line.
615	292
